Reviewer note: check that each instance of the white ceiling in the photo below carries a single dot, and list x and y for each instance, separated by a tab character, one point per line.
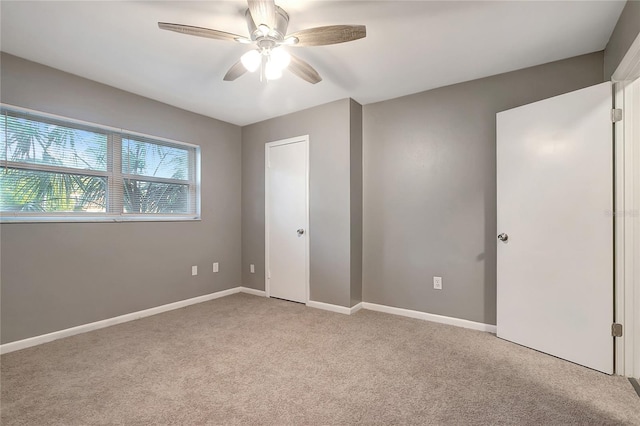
411	46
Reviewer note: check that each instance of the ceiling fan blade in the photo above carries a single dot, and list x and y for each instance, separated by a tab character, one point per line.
263	12
235	71
199	31
332	34
303	70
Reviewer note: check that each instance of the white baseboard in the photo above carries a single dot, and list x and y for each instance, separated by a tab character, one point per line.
335	308
356	308
405	313
38	340
49	337
253	291
430	317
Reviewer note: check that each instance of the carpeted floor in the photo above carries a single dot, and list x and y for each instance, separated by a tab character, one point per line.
249	360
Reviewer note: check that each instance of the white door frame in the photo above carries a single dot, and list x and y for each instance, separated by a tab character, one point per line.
573	135
298	139
627	209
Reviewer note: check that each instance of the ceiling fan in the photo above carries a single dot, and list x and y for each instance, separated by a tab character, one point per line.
267	25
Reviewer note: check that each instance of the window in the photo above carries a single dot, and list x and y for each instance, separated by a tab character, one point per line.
55	169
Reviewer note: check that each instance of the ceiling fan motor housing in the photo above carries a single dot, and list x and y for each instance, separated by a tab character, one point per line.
277	33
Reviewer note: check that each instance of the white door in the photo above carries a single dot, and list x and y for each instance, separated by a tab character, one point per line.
555	200
286	219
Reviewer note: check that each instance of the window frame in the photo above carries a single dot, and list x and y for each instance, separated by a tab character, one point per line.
114	175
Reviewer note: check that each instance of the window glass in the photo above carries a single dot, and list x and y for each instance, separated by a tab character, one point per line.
154	160
37	191
155	197
35	142
58	169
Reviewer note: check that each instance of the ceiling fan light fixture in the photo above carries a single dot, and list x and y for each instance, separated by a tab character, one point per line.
280	58
271	71
251	60
268	24
290	41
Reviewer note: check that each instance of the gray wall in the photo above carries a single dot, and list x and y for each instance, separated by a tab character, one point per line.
428	183
623	35
328	127
356	201
60	275
430	188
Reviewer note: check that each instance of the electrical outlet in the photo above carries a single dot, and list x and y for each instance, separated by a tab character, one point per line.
437	283
194	270
216	267
252	268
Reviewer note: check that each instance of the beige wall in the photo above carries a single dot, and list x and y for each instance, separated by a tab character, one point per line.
60	275
430	188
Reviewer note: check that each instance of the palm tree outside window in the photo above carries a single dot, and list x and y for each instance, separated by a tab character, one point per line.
61	169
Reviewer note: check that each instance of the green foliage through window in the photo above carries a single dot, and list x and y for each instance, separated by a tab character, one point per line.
36	191
57	167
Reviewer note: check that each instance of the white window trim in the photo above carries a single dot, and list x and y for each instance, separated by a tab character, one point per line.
26	217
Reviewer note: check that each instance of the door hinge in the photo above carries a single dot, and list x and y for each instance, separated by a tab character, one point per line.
616	115
616	329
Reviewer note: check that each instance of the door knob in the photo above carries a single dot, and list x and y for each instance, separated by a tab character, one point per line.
300	232
503	237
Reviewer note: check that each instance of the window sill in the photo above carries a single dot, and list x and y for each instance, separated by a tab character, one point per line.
92	219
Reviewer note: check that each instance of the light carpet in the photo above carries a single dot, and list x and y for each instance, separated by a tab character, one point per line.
244	359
